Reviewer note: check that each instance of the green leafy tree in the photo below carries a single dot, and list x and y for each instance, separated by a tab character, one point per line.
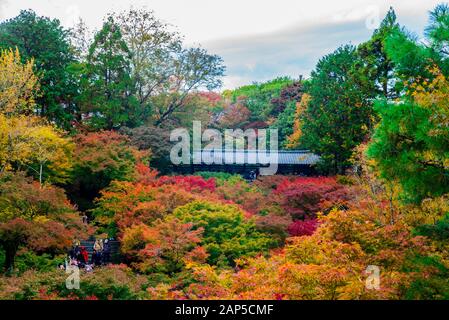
285	122
262	99
107	97
410	143
164	71
47	42
153	46
437	32
375	62
412	58
401	145
194	69
227	234
339	114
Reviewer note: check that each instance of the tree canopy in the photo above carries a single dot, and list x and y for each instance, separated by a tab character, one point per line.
46	42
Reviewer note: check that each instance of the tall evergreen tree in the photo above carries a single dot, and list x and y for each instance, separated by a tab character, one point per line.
437	31
339	114
413	59
410	144
375	62
107	97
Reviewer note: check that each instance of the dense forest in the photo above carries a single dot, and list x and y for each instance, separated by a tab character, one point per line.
85	120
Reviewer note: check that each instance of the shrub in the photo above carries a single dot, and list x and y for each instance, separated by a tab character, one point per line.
303	228
331	264
305	197
116	282
100	158
438	231
220	177
20	196
189	183
124	204
249	197
163	247
227	234
29	260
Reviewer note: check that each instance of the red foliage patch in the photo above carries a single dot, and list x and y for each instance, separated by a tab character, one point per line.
304	197
303	228
189	183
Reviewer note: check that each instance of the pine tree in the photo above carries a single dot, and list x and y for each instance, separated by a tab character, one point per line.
107	96
339	114
375	62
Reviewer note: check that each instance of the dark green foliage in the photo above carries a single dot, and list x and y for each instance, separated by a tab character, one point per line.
284	122
258	97
152	138
30	260
428	289
112	282
107	84
375	63
339	114
401	146
410	143
227	234
438	231
46	41
435	287
411	58
438	29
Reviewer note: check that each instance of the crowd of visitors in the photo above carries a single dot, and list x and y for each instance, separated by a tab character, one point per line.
101	255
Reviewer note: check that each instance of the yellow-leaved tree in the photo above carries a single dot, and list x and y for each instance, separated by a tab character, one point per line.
28	143
19	85
293	141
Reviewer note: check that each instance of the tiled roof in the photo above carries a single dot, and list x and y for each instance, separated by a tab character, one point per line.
296	157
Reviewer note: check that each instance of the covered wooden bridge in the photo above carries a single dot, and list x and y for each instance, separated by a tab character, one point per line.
244	161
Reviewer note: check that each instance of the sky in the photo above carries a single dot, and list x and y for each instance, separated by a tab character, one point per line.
258	39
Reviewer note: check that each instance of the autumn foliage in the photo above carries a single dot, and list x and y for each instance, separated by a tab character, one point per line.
18	82
36	217
305	197
84	148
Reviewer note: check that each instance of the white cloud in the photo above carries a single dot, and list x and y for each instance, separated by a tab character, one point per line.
72	15
259	39
236	81
3	4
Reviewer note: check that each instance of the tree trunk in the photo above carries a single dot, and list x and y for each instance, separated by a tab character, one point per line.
10	254
40	175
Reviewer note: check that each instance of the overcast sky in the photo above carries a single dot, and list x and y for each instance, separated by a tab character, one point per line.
258	39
